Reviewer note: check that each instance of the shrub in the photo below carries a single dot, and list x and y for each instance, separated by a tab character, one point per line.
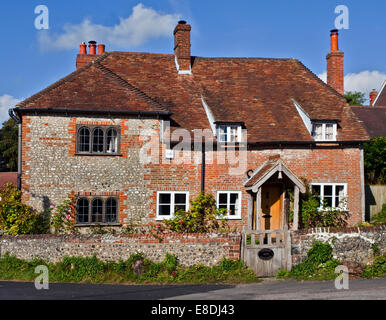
17	217
377	269
62	217
380	218
202	217
314	216
375	160
318	265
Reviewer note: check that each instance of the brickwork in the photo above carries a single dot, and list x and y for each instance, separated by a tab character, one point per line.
52	171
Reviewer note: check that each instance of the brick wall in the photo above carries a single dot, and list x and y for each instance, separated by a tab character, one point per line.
206	249
349	244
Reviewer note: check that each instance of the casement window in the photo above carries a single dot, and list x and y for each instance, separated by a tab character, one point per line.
331	194
229	133
97	210
169	202
324	131
98	140
231	201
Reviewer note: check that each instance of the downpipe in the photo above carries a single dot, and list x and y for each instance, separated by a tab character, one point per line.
12	113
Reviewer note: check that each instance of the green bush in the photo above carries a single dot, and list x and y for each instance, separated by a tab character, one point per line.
380	218
318	265
202	217
375	160
314	216
18	218
377	269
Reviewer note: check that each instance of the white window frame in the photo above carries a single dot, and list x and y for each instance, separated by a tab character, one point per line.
334	185
228	128
172	203
334	128
228	217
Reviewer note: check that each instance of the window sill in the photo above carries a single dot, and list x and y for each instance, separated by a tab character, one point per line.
99	154
98	225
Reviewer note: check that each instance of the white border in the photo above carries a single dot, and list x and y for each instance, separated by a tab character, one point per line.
238	217
160	218
376	98
333	184
335	130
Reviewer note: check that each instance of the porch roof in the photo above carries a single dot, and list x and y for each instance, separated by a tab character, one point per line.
267	170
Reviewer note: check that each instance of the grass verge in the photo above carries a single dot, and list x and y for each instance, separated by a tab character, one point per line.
92	270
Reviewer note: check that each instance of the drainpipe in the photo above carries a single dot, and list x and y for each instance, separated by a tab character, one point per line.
203	169
14	116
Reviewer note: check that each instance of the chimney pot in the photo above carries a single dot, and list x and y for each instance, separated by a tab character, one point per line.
92	46
334	40
83	48
373	96
101	49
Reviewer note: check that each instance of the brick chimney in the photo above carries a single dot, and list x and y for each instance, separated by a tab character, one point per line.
182	47
373	96
335	76
84	58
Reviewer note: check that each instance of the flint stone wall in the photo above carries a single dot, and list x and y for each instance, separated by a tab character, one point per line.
349	244
191	249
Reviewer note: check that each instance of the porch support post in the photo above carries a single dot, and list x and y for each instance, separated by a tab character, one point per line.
295	224
258	208
250	211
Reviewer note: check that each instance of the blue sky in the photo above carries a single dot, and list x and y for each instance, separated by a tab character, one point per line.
33	59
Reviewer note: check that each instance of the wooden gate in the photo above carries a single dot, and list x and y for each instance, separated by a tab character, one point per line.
267	251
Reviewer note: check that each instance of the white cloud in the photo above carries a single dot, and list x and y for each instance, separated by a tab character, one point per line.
142	25
364	81
6	102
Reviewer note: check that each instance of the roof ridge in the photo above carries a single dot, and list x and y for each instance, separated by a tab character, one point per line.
61	81
129	86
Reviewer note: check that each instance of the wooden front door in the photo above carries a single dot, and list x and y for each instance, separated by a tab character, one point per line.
271	207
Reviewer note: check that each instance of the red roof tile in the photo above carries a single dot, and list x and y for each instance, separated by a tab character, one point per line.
256	91
8	177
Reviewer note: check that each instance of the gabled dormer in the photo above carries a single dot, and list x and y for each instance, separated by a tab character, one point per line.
320	130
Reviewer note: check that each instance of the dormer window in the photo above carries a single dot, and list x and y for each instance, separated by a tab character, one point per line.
229	133
324	131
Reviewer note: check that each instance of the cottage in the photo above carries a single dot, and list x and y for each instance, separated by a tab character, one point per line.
133	137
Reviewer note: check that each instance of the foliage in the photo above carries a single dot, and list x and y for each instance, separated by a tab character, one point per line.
9	144
380	218
375	160
18	218
202	217
377	269
92	270
62	217
314	216
355	98
319	264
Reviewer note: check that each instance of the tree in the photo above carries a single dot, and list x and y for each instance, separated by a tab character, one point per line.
355	98
9	145
375	160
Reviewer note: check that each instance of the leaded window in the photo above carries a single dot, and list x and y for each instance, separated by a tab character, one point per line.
97	210
98	140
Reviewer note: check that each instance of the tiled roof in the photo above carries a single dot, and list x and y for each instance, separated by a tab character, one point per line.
8	177
265	168
373	118
256	91
381	98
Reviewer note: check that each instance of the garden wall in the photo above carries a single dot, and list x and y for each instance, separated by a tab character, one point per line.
349	244
206	249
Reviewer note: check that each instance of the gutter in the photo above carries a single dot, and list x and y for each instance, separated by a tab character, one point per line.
12	113
93	111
